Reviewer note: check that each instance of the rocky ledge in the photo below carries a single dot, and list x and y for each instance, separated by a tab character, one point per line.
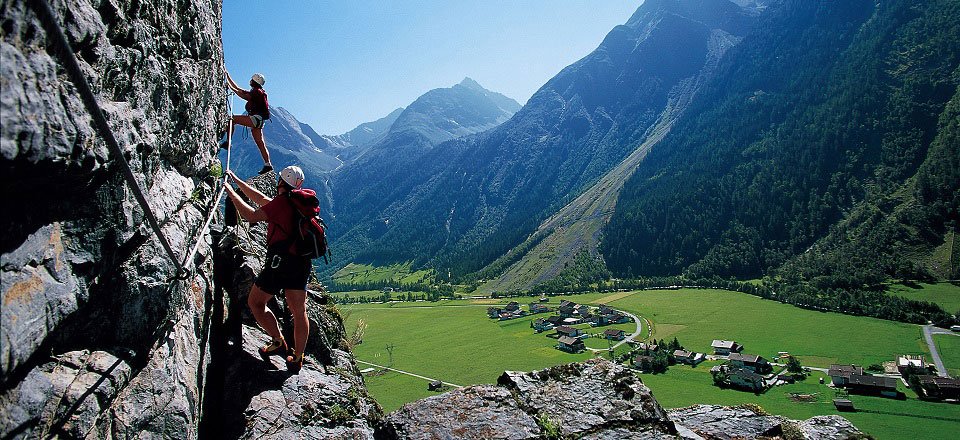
596	399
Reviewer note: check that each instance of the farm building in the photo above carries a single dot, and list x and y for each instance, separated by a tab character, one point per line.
873	385
843	405
538	308
616	335
936	387
745	379
840	374
752	362
513	306
643	362
541	325
566	330
650	347
688	357
571	345
907	362
723	347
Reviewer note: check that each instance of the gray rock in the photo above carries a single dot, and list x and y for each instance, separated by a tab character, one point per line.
477	412
744	422
829	427
589	397
720	422
596	399
66	395
319	402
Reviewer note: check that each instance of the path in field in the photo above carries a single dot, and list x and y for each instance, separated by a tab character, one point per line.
407	373
628	338
928	332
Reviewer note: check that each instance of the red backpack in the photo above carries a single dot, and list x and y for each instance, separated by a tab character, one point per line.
309	238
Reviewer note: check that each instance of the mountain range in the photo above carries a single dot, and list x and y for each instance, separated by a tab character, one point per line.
701	138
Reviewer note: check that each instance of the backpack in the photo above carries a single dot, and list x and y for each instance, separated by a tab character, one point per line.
309	238
258	104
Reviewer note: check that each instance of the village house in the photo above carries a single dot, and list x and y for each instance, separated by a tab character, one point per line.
745	379
645	346
840	374
873	385
619	318
938	388
643	362
541	325
583	310
566	310
723	348
688	357
572	345
599	320
494	312
555	321
538	308
907	362
752	362
566	330
512	306
614	334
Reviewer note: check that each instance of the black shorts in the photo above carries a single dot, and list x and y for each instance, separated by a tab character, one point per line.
284	272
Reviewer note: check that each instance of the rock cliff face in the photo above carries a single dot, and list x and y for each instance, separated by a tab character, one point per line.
96	339
99	339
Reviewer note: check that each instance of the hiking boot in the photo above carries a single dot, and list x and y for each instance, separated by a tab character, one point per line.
266	169
275	348
294	362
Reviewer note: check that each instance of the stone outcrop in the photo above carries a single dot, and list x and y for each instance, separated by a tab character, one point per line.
713	422
595	399
96	337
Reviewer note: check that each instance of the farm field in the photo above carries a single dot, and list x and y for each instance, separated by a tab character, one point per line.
945	294
949	348
883	418
455	342
361	273
765	327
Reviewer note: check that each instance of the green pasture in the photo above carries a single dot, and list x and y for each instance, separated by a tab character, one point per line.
364	273
949	348
881	417
765	327
945	294
454	341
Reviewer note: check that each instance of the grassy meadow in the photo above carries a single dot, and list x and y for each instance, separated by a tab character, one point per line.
455	342
949	348
944	294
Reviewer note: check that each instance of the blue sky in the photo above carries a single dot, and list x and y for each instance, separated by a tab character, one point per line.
336	64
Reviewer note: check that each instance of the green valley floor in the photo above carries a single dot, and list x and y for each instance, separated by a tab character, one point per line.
455	342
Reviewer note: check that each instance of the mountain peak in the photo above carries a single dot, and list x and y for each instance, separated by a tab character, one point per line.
471	84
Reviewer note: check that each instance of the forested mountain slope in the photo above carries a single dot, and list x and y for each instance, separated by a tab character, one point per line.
828	139
389	169
493	190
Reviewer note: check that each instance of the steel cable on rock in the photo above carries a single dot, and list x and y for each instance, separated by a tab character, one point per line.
68	58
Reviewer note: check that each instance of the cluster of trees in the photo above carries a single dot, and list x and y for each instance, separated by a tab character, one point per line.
655	361
432	296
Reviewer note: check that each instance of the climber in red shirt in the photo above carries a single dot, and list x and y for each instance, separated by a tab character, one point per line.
281	271
258	111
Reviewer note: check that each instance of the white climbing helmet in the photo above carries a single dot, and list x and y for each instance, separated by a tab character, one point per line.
293	176
258	78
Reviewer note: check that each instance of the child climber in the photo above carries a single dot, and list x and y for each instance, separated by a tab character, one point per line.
258	111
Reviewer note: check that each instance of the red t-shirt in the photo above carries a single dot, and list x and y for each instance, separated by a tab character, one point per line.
279	219
257	105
